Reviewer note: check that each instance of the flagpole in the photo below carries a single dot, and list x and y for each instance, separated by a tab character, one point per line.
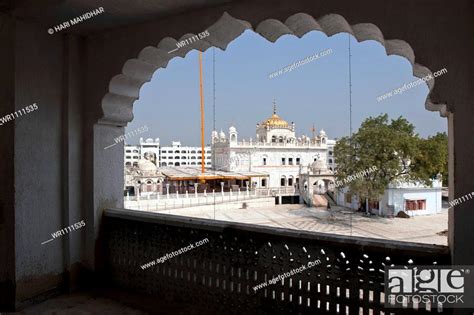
202	113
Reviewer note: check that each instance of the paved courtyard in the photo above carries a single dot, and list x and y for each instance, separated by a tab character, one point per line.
342	221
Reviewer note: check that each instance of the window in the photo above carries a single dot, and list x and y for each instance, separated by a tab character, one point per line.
163	164
330	152
170	151
330	161
199	151
128	151
177	151
193	163
183	151
297	180
193	151
415	204
128	157
193	157
183	158
163	157
348	198
283	161
176	157
298	161
208	163
283	181
128	164
274	139
264	161
290	181
135	157
199	163
264	182
135	151
176	164
290	161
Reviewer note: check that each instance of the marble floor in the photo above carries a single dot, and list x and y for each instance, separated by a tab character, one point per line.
342	221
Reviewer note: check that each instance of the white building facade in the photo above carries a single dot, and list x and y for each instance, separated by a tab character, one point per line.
174	155
276	151
413	198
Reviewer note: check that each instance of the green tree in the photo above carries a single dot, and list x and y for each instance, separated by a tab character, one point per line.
433	157
394	150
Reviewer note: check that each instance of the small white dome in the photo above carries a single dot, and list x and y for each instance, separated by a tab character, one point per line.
222	135
232	129
322	132
146	165
318	165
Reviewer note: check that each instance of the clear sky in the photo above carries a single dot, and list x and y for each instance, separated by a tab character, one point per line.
315	93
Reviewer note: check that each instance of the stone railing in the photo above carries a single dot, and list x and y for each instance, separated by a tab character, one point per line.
219	277
278	144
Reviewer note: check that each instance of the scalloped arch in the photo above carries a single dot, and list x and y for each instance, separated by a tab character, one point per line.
124	88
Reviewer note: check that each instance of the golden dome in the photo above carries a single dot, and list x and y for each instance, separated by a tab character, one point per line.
275	121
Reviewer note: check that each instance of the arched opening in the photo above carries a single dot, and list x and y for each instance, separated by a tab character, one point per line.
298	160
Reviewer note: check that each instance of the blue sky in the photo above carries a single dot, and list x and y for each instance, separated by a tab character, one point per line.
315	93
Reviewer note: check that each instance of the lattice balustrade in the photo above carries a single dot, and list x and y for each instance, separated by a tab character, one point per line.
219	276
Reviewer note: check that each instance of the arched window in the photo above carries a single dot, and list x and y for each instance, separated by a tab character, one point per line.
183	151
128	164
233	137
283	181
280	139
193	151
163	164
274	139
330	160
183	158
177	151
290	181
176	157
176	164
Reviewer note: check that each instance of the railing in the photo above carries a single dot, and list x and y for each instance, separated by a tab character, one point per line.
218	277
279	144
276	191
154	201
174	201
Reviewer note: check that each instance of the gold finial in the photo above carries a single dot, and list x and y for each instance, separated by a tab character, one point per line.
274	107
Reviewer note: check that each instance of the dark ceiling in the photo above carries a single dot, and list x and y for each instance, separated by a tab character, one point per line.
116	12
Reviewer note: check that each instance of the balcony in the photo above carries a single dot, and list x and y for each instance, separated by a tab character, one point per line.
219	276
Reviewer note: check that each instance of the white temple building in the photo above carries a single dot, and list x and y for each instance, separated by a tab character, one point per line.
276	151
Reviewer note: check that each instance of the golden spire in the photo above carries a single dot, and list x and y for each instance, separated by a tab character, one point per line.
275	120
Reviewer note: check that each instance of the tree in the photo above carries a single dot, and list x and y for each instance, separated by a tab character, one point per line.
394	150
433	158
